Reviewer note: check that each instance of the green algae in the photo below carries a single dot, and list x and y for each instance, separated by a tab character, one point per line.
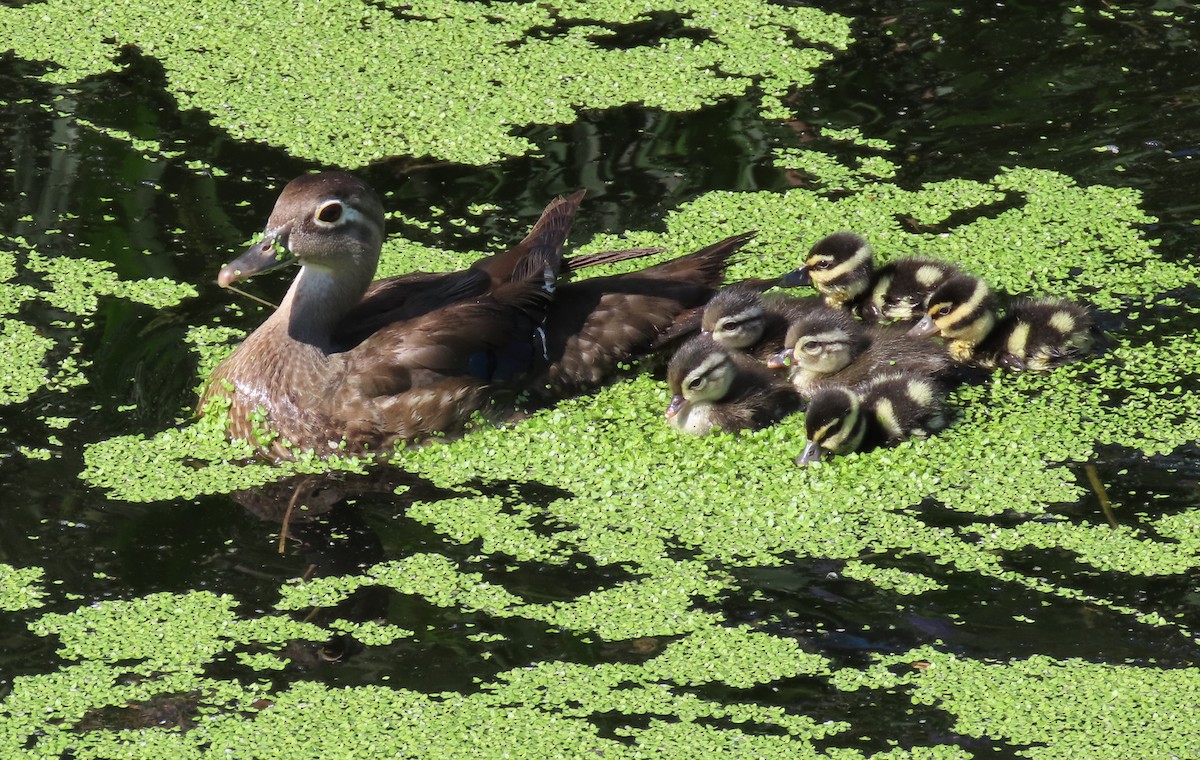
891	578
20	588
637	497
454	80
73	285
1055	708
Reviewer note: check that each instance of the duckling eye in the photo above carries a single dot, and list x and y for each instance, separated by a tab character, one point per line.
695	383
811	347
942	310
329	212
823	264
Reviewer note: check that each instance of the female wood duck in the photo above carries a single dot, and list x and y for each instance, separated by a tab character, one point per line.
1034	334
741	318
713	387
596	325
344	365
842	269
831	347
882	411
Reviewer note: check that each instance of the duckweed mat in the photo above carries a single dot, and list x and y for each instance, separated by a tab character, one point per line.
584	581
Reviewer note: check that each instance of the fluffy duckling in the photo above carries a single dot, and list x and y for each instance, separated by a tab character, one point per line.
839	266
963	311
830	347
842	269
899	288
743	319
712	387
1038	335
882	411
1035	334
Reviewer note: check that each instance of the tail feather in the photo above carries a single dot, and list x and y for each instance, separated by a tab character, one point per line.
583	261
539	255
705	265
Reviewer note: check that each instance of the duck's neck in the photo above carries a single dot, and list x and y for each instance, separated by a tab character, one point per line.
316	302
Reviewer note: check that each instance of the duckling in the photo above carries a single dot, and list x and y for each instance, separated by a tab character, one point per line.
713	387
963	310
1034	334
831	347
839	266
899	288
842	269
882	411
1038	335
741	318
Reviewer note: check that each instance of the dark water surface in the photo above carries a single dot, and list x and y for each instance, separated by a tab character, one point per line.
1112	102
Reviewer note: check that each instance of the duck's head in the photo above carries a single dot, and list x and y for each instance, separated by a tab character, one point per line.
839	266
833	423
331	221
962	310
822	343
700	372
735	317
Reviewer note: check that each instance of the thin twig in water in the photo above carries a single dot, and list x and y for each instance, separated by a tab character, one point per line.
1101	495
241	292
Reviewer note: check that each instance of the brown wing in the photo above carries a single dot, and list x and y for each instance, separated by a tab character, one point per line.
596	324
540	250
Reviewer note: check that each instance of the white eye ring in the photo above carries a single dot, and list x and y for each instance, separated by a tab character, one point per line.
329	214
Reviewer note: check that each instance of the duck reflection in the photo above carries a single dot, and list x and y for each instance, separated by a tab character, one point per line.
320	517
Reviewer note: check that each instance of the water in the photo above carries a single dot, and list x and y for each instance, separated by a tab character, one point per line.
1111	102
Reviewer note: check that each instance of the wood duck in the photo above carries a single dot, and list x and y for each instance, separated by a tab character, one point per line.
1034	334
882	411
741	318
596	325
831	347
839	266
713	387
344	365
842	269
899	289
963	311
1038	335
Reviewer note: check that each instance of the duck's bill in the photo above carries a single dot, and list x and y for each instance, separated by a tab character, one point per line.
812	453
796	278
269	253
782	359
674	407
925	327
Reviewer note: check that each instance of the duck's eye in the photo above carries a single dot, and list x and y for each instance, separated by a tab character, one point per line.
695	382
942	310
329	212
823	264
811	347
